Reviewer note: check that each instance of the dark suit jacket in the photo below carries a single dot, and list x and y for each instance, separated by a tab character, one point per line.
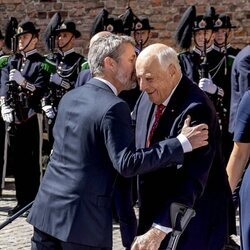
240	82
93	140
189	183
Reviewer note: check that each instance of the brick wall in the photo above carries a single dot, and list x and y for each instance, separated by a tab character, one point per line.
163	15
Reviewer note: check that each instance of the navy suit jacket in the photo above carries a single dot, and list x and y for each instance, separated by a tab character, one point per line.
93	140
240	82
187	184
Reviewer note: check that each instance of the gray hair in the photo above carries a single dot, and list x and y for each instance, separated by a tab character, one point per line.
106	46
168	56
165	54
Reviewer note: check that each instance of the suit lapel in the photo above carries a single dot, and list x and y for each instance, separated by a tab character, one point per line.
146	107
168	118
166	123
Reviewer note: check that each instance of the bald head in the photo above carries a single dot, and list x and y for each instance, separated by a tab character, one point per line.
98	35
165	54
154	49
158	71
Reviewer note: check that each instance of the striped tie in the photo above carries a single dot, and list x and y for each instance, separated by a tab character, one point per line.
158	113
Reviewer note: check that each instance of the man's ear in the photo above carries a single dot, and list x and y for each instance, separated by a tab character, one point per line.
172	69
34	40
109	62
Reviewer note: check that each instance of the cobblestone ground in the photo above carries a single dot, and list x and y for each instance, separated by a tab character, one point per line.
17	234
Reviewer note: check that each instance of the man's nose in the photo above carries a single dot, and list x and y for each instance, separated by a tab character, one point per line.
142	84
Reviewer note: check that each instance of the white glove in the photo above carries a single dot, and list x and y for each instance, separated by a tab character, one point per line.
7	114
49	111
55	78
16	76
65	84
207	85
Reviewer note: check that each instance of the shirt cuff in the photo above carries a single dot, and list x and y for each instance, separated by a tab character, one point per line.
162	228
186	145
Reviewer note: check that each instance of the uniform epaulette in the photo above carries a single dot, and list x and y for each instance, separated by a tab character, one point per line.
84	65
49	66
4	60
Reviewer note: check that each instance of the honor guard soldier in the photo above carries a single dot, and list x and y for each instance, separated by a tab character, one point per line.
198	62
222	75
141	32
223	69
23	84
6	41
67	65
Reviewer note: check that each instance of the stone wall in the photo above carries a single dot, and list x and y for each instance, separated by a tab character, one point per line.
163	15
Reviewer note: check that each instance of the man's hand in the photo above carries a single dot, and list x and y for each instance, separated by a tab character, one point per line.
7	114
16	76
207	85
56	79
49	111
151	240
197	135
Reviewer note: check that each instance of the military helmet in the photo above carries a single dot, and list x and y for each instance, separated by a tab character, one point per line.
49	33
203	22
99	22
128	18
69	26
183	34
113	25
223	22
10	32
26	27
142	23
118	26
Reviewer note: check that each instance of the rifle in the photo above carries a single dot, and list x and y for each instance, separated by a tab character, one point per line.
16	215
225	54
12	96
204	64
180	216
11	43
140	46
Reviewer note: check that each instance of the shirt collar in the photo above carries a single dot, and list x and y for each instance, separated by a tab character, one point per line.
165	103
65	53
113	88
198	51
31	52
221	49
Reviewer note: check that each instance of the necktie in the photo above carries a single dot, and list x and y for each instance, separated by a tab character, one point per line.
158	113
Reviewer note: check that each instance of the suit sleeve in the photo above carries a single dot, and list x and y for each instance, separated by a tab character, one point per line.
120	144
240	81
